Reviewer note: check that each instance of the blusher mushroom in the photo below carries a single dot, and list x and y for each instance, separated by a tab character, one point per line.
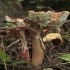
35	41
23	32
40	20
20	32
36	18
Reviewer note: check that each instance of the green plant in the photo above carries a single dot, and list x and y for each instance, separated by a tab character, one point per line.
10	25
65	57
4	58
20	62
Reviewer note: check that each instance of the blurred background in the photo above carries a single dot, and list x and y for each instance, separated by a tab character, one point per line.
19	8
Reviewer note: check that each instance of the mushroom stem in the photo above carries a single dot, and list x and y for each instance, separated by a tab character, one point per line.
37	49
25	51
37	52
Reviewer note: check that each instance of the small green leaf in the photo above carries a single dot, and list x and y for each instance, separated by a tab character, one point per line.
65	57
18	62
7	59
2	54
10	25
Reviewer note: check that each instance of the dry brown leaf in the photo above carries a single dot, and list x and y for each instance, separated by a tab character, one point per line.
51	36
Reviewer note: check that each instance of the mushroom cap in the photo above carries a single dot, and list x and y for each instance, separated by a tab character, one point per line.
44	19
56	16
29	32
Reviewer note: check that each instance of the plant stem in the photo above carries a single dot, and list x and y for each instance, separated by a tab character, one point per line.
4	64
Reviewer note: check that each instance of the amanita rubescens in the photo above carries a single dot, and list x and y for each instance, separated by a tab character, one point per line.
40	20
22	32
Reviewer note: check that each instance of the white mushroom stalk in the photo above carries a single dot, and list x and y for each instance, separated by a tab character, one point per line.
23	40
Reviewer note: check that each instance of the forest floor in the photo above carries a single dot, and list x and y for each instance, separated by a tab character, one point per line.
51	54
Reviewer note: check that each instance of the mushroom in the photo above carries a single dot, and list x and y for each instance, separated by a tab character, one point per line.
40	20
37	43
23	32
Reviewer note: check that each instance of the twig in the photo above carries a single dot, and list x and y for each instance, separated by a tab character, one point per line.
51	9
60	67
3	28
47	57
11	45
65	67
63	63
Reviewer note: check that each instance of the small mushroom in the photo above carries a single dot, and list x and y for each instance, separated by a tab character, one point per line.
22	32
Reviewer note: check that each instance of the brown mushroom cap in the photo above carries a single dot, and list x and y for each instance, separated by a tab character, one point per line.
29	32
